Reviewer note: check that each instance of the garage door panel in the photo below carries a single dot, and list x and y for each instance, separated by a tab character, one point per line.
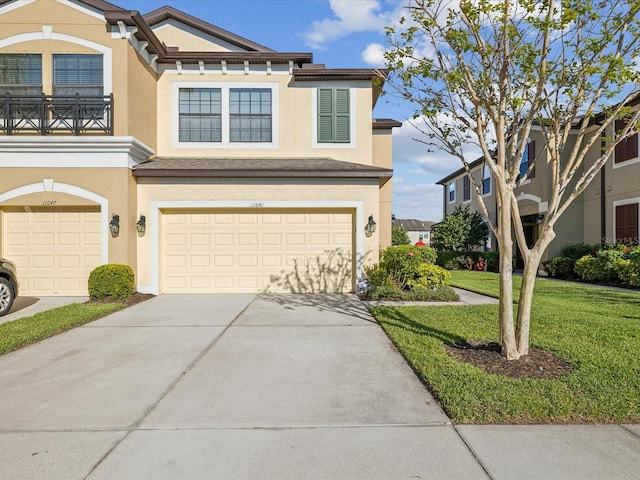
54	250
250	252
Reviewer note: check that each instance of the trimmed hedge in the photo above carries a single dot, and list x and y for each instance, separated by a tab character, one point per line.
112	281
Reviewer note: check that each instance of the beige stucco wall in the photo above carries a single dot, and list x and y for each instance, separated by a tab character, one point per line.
189	39
294	120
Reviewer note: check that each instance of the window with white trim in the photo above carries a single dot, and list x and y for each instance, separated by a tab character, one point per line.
627	149
78	74
452	192
627	223
526	163
200	115
20	74
334	115
486	180
225	114
250	115
466	189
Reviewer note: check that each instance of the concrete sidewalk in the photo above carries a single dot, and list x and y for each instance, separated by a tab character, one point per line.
274	387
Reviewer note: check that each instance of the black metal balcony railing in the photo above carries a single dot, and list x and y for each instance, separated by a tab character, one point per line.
56	114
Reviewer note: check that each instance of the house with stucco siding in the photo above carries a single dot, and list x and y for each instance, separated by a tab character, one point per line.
205	161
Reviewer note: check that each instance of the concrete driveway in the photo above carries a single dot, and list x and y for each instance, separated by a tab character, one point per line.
244	386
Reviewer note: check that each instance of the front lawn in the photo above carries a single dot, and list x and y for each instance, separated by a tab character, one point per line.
596	330
27	330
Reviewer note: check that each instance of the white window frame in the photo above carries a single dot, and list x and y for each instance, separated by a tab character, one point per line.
489	177
464	202
629	161
352	114
449	190
225	88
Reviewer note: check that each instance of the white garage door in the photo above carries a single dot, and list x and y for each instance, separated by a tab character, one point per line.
54	250
241	251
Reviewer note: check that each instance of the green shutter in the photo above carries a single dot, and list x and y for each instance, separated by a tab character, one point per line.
333	116
325	115
342	116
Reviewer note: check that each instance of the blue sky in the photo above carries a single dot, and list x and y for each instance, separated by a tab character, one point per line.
340	34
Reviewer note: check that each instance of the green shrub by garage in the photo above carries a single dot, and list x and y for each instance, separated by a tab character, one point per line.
112	281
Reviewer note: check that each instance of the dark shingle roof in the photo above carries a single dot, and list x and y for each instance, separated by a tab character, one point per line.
412	225
257	168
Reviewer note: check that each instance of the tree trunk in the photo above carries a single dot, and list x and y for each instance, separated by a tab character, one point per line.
506	334
531	263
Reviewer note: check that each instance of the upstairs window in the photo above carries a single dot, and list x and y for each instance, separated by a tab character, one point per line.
628	148
452	192
20	74
466	189
78	74
250	115
334	122
200	115
527	160
486	180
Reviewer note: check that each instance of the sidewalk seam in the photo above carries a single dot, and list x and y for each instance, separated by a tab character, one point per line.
472	452
134	426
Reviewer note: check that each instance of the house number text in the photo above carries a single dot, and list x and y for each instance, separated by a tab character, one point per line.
49	203
257	205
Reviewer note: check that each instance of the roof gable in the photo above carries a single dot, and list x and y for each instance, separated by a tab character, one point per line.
197	33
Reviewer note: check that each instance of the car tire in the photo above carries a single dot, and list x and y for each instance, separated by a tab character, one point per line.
7	295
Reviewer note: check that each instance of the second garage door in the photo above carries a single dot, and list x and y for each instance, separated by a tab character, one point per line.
54	249
248	251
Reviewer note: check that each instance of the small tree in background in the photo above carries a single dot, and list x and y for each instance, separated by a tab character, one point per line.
399	236
460	231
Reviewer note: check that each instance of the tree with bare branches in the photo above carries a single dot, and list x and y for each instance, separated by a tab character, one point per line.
486	73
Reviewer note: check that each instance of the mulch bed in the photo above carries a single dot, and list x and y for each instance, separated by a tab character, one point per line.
539	364
136	298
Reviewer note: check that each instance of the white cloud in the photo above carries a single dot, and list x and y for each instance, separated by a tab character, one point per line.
422	201
374	55
351	16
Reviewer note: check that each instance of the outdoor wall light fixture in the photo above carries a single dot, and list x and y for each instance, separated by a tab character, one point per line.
141	225
114	225
539	218
370	227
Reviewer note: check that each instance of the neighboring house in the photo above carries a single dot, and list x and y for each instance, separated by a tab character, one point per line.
606	212
458	191
206	162
416	229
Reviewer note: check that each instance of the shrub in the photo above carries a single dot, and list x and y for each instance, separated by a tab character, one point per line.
588	268
402	262
399	236
609	259
386	291
493	261
429	277
576	251
628	269
112	281
439	294
377	276
560	267
448	259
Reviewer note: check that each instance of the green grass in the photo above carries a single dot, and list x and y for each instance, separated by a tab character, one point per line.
595	329
28	330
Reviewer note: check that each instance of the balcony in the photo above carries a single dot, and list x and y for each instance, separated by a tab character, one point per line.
56	114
